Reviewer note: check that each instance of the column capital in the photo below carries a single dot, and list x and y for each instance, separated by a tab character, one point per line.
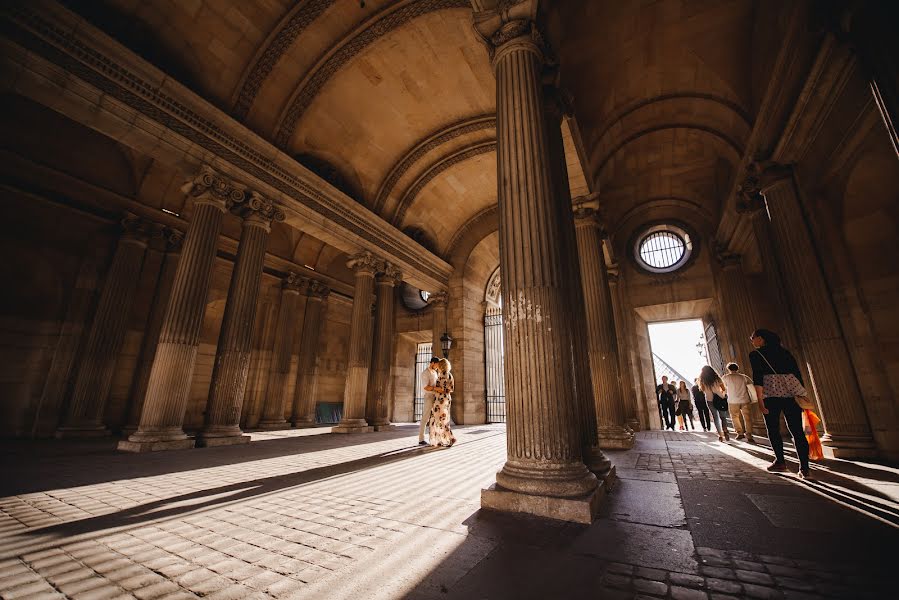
438	299
211	187
511	24
174	239
727	259
760	176
557	101
364	262
585	216
390	274
317	289
138	230
294	283
613	273
257	209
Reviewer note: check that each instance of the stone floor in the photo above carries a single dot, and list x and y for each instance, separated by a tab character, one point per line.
310	515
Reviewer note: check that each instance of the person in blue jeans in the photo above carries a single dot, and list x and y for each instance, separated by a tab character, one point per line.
770	358
705	418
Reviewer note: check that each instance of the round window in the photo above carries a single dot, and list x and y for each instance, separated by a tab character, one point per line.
663	248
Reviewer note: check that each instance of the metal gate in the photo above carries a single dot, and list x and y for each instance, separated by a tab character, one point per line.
423	354
493	354
711	342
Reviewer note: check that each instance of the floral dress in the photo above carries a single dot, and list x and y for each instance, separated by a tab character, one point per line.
439	431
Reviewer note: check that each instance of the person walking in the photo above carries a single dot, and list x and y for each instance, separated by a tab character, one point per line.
428	385
739	402
440	432
773	372
665	393
711	385
684	409
705	419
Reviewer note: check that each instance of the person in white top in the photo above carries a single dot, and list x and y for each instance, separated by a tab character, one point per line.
739	401
428	385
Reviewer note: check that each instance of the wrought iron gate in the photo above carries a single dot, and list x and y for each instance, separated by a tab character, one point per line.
493	354
423	354
711	342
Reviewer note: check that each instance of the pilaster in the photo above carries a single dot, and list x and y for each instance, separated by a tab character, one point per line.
303	411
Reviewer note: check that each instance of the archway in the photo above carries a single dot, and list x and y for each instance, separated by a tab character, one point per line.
493	350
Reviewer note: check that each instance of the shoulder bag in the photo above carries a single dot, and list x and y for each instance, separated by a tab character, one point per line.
785	386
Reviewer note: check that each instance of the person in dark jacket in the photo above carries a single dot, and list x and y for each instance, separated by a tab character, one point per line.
701	406
665	393
770	358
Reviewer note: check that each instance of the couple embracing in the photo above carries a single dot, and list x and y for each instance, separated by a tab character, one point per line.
437	383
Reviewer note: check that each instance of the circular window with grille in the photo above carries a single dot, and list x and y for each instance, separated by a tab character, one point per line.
663	248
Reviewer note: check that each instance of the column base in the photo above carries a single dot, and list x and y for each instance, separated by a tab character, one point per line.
848	447
352	429
81	432
615	438
633	424
229	440
151	446
273	425
582	509
383	426
305	425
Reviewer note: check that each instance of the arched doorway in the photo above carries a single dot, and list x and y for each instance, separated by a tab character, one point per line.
493	351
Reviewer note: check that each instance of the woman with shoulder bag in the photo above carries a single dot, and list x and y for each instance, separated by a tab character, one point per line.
779	387
711	385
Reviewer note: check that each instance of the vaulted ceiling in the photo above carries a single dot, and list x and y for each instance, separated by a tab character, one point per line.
394	102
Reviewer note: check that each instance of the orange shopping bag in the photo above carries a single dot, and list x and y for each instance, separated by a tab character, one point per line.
810	426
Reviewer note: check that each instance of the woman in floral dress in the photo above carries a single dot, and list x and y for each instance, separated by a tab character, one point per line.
439	431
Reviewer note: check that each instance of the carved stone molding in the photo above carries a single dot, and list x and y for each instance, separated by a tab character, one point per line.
364	262
438	299
317	289
138	229
174	239
302	16
727	259
759	177
294	282
326	67
422	147
494	288
438	168
210	185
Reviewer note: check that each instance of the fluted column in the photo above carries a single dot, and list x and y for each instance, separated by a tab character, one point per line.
628	395
378	402
162	416
600	325
847	431
285	331
740	317
438	302
84	416
544	449
232	354
303	411
364	265
172	241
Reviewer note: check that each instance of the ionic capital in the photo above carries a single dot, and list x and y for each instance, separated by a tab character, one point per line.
438	299
364	262
586	216
294	283
138	230
258	210
511	24
727	259
173	239
390	274
317	289
760	176
211	187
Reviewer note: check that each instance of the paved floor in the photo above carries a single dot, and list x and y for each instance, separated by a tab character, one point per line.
307	514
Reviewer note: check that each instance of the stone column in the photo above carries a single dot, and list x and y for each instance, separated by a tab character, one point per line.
438	302
162	416
359	356
544	473
279	372
628	395
232	354
84	416
172	241
303	413
847	431
600	325
556	105
740	316
378	402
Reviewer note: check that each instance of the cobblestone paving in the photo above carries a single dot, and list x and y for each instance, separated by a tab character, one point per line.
308	515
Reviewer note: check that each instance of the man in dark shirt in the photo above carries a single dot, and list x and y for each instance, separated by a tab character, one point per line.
702	406
665	393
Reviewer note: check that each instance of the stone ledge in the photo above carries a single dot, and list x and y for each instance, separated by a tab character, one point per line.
354	429
129	446
231	440
582	509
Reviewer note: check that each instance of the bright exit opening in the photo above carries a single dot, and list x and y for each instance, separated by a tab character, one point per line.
679	349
